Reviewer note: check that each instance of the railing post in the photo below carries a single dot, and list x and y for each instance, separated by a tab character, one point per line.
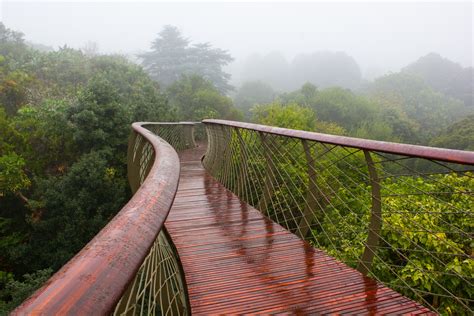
244	168
228	156
219	147
188	136
311	197
209	156
269	177
375	224
135	145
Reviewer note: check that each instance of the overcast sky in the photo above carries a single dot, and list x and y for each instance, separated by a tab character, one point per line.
382	36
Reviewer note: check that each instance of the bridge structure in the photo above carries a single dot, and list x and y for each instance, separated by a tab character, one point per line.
252	219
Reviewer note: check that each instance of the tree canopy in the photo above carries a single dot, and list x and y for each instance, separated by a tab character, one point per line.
173	56
459	135
252	93
195	98
444	76
64	122
321	68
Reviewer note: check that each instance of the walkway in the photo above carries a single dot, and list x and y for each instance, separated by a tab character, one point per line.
237	261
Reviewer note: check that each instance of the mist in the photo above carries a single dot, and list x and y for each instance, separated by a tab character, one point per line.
380	37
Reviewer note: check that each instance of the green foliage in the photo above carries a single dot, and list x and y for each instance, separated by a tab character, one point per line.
252	93
71	209
293	116
64	124
459	135
302	96
196	98
422	247
13	292
343	107
12	175
172	57
45	130
98	119
444	76
9	137
289	116
431	110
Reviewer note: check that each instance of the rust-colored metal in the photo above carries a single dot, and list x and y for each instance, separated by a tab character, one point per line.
375	225
441	154
312	195
93	281
237	261
267	193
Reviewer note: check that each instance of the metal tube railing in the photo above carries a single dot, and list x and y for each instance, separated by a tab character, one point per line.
130	267
402	214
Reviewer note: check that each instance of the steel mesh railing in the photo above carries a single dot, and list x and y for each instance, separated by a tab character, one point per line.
158	287
401	214
131	266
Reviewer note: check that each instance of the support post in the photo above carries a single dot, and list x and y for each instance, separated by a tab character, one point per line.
243	163
375	224
269	177
311	197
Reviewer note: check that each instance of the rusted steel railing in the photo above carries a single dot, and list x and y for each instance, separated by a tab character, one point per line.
130	267
402	214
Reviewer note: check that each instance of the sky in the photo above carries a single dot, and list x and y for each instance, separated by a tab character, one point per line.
381	36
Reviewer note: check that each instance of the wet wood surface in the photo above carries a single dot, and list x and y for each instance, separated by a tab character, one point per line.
236	261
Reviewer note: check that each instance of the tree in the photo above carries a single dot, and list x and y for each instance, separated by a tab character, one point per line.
288	116
14	81
252	93
342	107
98	119
293	116
272	68
303	96
432	110
12	175
172	57
459	135
444	76
15	292
356	115
71	209
64	122
196	98
45	129
326	69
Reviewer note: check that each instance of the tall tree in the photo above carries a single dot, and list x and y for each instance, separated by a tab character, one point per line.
172	56
252	93
195	98
445	76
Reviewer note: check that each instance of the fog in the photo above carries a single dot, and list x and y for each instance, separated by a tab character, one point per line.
380	37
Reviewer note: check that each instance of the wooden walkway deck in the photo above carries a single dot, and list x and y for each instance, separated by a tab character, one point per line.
236	261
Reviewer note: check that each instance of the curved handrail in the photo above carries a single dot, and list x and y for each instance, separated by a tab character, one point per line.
442	154
94	280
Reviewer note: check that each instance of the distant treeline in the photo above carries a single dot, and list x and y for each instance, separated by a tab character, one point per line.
418	105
